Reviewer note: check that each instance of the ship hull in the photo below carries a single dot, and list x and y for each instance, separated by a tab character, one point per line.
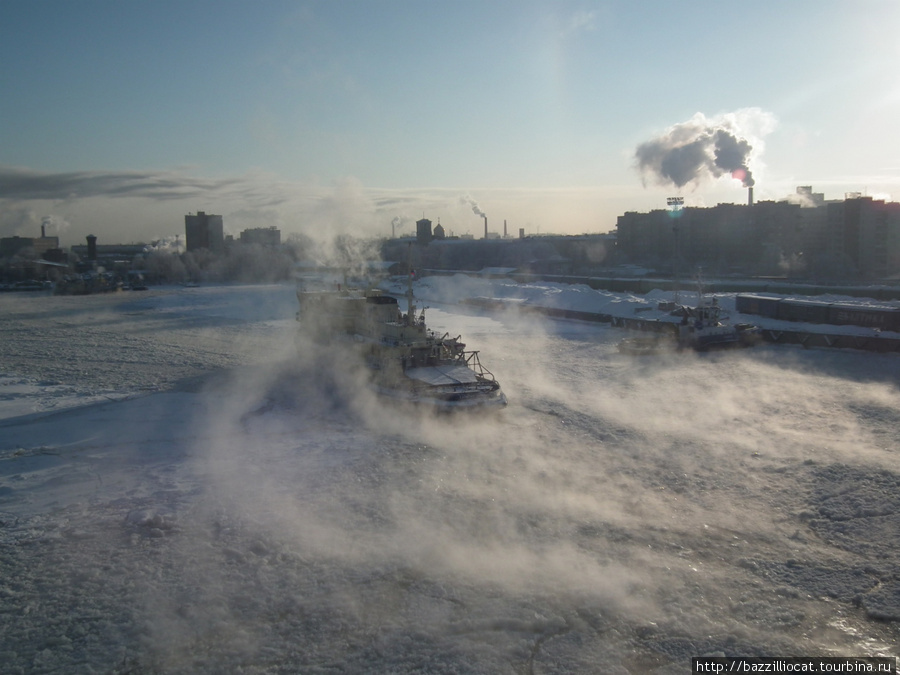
443	386
442	399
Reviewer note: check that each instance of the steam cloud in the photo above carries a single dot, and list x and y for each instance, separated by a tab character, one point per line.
169	244
702	149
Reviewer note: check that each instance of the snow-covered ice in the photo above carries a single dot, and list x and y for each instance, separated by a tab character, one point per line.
181	492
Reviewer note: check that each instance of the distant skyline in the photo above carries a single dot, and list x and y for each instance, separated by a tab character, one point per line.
118	118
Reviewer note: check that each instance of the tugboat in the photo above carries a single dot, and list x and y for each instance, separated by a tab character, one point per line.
701	328
407	361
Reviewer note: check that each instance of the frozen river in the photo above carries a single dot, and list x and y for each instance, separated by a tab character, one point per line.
180	493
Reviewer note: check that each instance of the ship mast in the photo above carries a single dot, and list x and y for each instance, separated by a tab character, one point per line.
699	287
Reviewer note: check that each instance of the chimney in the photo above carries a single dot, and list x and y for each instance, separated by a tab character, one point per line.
43	232
504	228
485	227
750	196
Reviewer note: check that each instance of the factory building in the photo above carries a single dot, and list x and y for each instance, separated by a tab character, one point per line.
110	257
10	246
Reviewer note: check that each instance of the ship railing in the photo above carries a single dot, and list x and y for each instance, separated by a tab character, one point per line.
473	362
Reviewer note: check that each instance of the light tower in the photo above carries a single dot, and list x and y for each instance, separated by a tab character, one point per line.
675	204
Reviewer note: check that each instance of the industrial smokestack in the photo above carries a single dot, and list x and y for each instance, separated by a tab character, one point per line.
504	228
485	227
750	196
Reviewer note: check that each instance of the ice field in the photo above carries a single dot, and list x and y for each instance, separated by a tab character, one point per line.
184	489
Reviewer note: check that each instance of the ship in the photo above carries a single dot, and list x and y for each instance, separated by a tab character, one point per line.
701	328
406	361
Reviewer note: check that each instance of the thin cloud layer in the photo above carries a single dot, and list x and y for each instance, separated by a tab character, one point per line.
24	184
29	198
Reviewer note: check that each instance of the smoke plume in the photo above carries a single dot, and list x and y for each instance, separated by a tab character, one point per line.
56	224
398	223
468	201
702	149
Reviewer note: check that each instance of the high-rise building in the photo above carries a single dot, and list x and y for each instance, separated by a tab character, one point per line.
204	230
865	234
858	237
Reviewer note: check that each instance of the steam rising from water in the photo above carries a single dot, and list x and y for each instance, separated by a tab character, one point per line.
621	502
629	513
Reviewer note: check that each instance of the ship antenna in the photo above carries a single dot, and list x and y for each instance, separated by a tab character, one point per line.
410	307
700	286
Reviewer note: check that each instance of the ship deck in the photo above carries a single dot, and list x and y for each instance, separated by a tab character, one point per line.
443	375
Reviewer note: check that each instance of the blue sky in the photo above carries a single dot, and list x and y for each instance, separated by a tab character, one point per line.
117	118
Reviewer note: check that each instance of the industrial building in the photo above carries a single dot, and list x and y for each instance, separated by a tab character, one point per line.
108	256
11	246
23	258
